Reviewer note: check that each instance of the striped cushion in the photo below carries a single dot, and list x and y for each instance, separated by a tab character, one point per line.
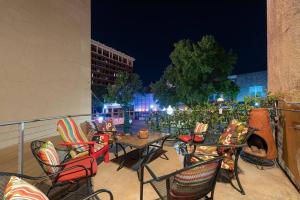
200	128
17	189
194	181
69	132
48	154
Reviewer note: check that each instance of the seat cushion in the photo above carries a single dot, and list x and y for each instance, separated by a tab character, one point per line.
17	189
78	172
97	148
235	133
209	152
188	138
48	154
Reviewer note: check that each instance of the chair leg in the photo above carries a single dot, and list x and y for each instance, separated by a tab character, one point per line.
236	174
106	157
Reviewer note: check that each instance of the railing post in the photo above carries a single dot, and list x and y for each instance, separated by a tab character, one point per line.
21	148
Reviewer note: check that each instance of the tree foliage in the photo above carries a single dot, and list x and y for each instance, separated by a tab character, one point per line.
122	92
124	88
198	70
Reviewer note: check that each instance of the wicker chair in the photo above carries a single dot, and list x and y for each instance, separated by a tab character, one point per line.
199	180
69	171
5	177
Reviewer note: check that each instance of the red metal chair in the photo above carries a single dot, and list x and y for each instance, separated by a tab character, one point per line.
195	137
78	142
67	171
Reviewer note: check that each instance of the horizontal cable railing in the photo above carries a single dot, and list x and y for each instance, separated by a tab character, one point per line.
26	130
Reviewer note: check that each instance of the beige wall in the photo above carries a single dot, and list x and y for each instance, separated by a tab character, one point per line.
283	19
44	64
44	58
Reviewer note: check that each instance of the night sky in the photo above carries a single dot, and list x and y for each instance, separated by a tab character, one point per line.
147	30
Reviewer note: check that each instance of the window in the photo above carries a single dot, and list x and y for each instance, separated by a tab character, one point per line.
94	48
256	91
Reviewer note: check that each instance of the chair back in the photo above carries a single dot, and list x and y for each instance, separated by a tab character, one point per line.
70	132
189	183
200	128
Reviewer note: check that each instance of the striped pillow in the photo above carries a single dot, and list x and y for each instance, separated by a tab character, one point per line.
48	154
69	132
17	189
194	181
200	128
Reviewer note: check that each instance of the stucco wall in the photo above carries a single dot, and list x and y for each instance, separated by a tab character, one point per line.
44	62
283	19
44	58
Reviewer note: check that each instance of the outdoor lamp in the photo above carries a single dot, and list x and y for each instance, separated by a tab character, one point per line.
220	100
170	110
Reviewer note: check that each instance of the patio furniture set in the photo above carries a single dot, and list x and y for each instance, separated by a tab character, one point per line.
88	146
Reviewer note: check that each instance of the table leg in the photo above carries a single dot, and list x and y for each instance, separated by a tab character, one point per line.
124	159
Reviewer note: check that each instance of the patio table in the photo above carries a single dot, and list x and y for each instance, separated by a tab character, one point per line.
155	139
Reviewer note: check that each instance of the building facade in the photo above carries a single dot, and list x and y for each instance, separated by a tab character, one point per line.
107	62
251	84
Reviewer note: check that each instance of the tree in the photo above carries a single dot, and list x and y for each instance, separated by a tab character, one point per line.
198	70
98	93
164	90
122	92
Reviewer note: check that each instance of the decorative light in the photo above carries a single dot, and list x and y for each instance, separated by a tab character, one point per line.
220	99
170	110
100	119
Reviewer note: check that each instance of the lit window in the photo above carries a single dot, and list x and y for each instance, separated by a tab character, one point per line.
256	91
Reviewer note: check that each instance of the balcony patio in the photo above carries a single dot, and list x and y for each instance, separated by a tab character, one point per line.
270	183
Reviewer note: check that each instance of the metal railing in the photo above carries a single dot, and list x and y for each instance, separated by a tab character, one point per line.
21	134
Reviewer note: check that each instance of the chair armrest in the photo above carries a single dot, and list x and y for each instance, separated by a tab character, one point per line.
92	159
68	169
98	192
90	143
232	145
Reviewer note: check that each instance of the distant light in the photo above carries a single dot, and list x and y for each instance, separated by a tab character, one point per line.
130	121
220	99
170	110
164	109
151	106
147	110
105	107
100	119
256	104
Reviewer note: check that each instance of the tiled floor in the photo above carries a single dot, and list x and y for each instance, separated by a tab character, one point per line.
258	184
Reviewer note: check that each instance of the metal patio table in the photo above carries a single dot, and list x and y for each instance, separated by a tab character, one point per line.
155	140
